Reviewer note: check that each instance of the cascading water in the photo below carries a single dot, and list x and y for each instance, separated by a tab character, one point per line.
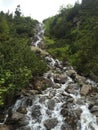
51	109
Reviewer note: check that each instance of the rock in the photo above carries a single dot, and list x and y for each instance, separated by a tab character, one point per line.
33	92
58	64
36	111
5	127
51	104
85	90
24	128
22	110
16	116
39	51
78	112
80	101
71	72
66	127
50	123
97	120
64	112
70	100
17	120
29	102
71	117
93	77
94	108
80	79
72	88
42	83
60	78
2	116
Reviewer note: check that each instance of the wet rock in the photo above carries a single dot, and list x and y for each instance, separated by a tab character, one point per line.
23	122
29	102
70	117
94	108
14	117
58	64
80	101
64	112
60	78
5	127
36	111
2	116
51	104
71	73
39	51
78	112
50	123
95	113
97	120
22	110
80	79
85	90
42	99
41	83
66	127
72	88
70	100
93	77
33	92
24	128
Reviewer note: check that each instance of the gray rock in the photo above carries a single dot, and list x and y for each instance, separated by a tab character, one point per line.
51	104
5	127
60	78
24	128
66	127
78	112
22	110
85	90
94	109
36	112
33	92
50	123
14	117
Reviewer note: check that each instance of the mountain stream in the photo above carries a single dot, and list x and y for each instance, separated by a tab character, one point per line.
64	105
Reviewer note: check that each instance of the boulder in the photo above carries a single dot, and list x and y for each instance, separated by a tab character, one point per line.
36	112
14	117
22	110
5	127
61	79
50	123
51	104
85	90
39	51
94	109
65	126
24	128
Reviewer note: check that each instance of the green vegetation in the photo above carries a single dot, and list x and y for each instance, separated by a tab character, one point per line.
72	35
18	64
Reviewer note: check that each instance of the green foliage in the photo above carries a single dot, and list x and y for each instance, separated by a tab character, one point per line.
77	28
18	64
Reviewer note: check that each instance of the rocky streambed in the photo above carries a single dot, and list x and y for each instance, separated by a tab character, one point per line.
70	102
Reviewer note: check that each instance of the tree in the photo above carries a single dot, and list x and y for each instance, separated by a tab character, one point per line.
18	11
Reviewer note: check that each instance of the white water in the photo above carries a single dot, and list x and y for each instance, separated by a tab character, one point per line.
87	122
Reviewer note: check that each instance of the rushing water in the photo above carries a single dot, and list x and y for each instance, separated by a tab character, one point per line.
46	107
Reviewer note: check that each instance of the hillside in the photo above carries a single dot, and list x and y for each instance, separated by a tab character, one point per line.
72	35
18	63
